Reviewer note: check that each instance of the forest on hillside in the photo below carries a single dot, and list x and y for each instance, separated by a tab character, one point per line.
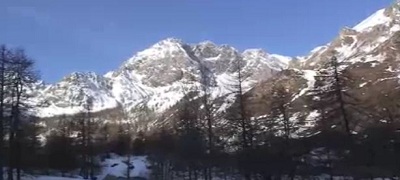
268	147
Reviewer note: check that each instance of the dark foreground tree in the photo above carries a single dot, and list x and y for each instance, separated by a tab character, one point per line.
333	98
20	76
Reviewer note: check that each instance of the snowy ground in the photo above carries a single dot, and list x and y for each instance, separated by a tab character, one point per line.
116	166
48	178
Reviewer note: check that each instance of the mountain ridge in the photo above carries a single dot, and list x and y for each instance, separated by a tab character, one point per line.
156	70
157	78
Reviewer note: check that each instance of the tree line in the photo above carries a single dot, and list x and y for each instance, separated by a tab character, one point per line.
238	145
204	142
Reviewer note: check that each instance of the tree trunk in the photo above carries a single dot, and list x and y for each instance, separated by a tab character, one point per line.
195	174
190	173
340	97
2	84
19	154
18	128
11	151
205	173
84	149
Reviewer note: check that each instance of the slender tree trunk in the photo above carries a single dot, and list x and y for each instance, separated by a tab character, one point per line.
12	146
225	176
19	154
11	154
340	97
84	149
90	144
203	173
195	173
208	116
2	86
18	129
190	173
243	118
286	124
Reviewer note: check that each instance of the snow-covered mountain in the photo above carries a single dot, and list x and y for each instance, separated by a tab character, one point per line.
368	54
157	78
362	43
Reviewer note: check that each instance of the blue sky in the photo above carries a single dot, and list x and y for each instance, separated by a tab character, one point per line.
98	35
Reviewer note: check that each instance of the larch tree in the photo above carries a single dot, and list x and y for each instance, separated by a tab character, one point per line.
20	76
90	134
332	97
240	119
208	116
4	53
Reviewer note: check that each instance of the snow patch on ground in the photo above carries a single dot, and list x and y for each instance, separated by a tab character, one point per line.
117	166
29	177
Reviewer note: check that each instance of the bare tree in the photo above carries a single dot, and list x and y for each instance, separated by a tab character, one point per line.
332	96
242	109
129	146
3	60
280	110
82	135
90	132
239	117
21	76
339	90
283	117
208	116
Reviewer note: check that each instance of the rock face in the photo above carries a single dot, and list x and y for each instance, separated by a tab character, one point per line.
157	78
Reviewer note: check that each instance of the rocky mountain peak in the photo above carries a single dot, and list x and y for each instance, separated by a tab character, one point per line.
208	50
160	50
274	61
171	40
171	44
157	77
80	76
346	31
382	17
363	42
254	52
207	43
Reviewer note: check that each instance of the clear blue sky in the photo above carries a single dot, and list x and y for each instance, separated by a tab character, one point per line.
98	35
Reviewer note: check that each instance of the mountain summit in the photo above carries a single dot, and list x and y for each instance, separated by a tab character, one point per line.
156	78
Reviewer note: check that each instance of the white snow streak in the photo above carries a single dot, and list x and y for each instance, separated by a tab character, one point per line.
309	75
375	19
